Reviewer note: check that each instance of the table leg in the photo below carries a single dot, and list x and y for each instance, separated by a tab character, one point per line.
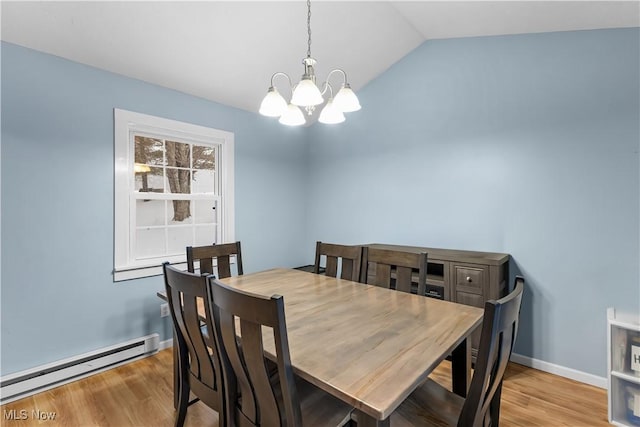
461	367
366	420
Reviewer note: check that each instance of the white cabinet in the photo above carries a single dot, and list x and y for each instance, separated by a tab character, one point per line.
623	371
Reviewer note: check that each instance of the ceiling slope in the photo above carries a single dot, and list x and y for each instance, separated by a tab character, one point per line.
227	51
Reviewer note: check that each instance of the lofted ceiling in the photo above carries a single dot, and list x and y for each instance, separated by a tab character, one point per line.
227	51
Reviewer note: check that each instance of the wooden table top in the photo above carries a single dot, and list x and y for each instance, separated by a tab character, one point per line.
369	346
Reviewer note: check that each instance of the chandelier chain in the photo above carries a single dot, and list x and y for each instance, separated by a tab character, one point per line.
309	28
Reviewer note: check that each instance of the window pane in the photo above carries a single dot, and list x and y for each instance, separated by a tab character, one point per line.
204	211
178	154
204	157
150	242
151	180
205	235
150	212
179	181
178	239
204	181
148	151
179	212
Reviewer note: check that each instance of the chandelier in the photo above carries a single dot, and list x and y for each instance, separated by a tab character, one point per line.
308	95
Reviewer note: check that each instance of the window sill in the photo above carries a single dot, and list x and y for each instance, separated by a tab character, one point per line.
132	273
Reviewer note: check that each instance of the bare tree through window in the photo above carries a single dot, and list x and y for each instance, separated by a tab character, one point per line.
175	166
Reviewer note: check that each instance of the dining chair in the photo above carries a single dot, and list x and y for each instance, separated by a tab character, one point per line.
381	265
253	395
198	361
349	257
220	253
432	404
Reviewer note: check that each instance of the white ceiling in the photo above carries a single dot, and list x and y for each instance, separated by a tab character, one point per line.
227	51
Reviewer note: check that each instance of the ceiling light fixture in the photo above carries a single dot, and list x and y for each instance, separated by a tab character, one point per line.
306	94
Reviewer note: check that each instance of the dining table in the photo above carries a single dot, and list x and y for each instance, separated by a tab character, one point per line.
366	345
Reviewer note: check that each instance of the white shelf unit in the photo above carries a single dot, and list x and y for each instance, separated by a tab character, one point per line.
623	341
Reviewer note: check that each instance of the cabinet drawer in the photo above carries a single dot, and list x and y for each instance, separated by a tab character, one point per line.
467	298
469	279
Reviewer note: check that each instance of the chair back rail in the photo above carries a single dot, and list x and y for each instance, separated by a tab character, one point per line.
403	262
351	257
221	253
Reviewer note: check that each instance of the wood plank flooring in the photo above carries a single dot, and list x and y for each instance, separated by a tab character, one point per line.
140	394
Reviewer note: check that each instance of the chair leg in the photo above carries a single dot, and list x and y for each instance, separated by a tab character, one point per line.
176	373
183	403
181	388
494	407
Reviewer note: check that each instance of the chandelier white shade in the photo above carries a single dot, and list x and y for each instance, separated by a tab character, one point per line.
273	105
331	114
292	116
346	100
306	94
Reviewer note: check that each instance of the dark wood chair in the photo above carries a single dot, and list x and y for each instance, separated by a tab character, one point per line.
350	258
221	254
390	264
253	396
432	404
198	365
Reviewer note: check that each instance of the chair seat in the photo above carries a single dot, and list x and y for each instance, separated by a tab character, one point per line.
320	408
429	405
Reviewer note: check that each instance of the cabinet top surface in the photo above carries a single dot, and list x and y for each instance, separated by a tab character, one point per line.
473	257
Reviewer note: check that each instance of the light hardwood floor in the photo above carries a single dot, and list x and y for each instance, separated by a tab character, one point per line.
140	394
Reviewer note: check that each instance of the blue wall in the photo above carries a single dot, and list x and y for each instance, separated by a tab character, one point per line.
58	297
520	144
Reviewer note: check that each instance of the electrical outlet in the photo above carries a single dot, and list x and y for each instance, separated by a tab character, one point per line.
164	310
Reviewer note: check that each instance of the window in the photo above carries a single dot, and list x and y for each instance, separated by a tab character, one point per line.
173	189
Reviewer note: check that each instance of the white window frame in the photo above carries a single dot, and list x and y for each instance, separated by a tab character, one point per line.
126	124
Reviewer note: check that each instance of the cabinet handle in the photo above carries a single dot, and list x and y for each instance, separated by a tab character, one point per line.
469	279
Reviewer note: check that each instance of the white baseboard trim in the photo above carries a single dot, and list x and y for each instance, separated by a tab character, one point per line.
562	371
51	375
165	344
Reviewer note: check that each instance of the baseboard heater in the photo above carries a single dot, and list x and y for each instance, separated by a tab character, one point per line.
32	381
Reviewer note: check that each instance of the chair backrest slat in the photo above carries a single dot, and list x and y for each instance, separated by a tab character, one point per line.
224	266
253	351
499	331
331	269
387	261
403	279
383	275
220	253
350	258
252	398
232	356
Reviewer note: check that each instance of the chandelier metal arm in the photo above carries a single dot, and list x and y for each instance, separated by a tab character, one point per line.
338	70
326	83
280	73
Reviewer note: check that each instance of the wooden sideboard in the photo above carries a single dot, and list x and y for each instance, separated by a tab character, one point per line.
465	277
